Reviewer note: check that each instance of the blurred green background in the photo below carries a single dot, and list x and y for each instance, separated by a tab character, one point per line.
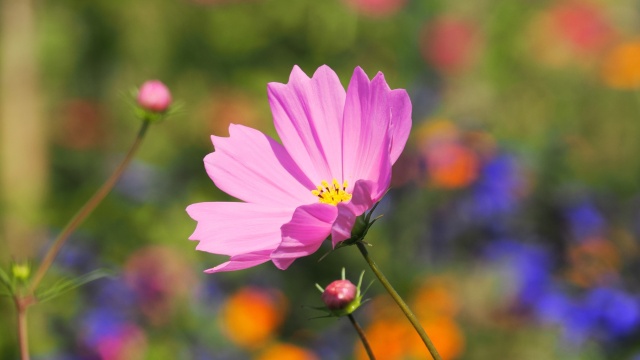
511	226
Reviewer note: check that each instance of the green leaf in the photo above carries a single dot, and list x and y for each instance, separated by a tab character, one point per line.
65	285
6	280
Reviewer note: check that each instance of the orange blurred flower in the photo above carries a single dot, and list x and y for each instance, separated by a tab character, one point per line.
251	316
392	337
621	66
435	297
281	351
450	165
593	262
396	339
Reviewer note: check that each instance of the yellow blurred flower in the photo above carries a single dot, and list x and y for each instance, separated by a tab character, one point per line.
251	316
436	130
621	66
283	351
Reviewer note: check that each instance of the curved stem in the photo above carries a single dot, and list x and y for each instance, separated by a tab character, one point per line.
396	297
365	343
82	214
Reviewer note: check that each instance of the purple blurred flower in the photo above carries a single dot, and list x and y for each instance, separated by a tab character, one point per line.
618	312
584	220
528	267
497	188
602	313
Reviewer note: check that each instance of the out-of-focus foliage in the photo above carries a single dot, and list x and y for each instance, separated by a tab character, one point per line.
511	227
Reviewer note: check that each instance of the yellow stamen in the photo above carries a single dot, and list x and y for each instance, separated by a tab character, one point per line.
332	194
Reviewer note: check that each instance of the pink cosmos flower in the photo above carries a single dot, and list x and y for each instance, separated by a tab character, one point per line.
333	165
154	96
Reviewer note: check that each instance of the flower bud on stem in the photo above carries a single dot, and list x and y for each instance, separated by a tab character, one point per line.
153	97
342	298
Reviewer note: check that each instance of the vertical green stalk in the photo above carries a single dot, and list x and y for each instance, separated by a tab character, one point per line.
363	338
396	297
82	214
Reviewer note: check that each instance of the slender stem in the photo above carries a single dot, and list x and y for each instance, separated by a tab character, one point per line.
365	343
394	294
85	211
22	304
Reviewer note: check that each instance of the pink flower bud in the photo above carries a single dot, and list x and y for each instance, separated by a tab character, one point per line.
154	96
339	294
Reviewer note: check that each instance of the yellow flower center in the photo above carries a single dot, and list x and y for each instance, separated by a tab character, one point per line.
333	194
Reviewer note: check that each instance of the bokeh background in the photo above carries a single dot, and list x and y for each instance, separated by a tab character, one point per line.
512	227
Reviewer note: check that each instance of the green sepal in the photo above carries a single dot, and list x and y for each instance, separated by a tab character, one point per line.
152	116
360	228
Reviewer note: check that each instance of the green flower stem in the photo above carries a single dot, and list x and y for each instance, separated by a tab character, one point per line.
365	343
82	214
394	294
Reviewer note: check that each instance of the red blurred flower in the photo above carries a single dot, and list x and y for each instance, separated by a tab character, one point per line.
81	125
571	32
449	44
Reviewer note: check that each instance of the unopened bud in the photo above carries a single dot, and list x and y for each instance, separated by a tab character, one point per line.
154	96
339	294
21	272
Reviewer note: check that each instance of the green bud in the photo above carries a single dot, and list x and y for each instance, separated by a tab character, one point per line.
21	272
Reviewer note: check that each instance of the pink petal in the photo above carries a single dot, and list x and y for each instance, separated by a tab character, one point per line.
361	201
242	261
400	121
303	235
255	168
307	114
366	136
234	228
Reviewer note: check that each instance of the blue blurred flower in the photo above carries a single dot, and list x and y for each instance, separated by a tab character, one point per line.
584	220
527	265
496	193
603	314
618	312
101	323
575	320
